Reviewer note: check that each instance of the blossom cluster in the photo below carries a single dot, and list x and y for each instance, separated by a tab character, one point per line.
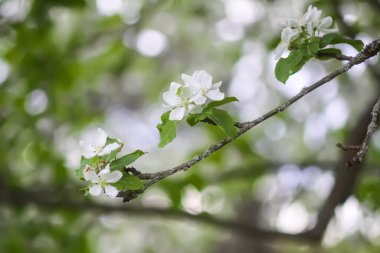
100	176
191	96
307	26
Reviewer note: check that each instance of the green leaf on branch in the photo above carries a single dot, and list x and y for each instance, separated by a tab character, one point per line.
128	182
224	121
167	129
335	38
124	161
328	53
310	48
289	65
194	119
221	102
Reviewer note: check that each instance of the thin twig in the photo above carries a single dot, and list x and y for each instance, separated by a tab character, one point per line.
347	147
369	51
363	148
344	183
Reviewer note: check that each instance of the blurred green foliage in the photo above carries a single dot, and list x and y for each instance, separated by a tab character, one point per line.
70	65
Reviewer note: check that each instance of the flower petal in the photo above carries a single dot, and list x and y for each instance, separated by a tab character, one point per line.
174	87
177	113
101	138
95	190
215	95
113	177
216	85
111	191
106	170
109	148
293	23
90	175
171	98
190	81
326	22
200	100
279	51
204	79
89	154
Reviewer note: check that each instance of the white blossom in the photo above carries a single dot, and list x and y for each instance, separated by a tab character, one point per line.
98	147
101	181
178	100
202	84
313	23
308	25
190	97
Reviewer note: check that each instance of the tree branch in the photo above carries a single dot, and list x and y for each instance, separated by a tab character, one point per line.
363	147
48	200
369	51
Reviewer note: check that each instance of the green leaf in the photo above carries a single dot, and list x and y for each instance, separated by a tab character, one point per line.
221	102
335	38
289	65
369	191
224	121
194	119
167	129
327	53
124	161
128	182
311	47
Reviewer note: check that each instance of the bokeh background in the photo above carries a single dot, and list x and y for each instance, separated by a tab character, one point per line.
70	66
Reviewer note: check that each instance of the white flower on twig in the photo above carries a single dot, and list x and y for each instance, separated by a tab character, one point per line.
308	25
178	100
101	181
190	97
201	83
98	147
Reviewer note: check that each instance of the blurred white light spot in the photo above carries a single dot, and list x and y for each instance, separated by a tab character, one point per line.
309	174
156	198
349	216
213	200
322	184
109	7
350	19
289	177
266	188
336	113
192	200
4	71
243	11
36	102
371	227
315	131
132	11
151	43
376	139
14	9
292	218
229	31
275	130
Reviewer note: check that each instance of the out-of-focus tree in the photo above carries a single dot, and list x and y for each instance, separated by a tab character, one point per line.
68	67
